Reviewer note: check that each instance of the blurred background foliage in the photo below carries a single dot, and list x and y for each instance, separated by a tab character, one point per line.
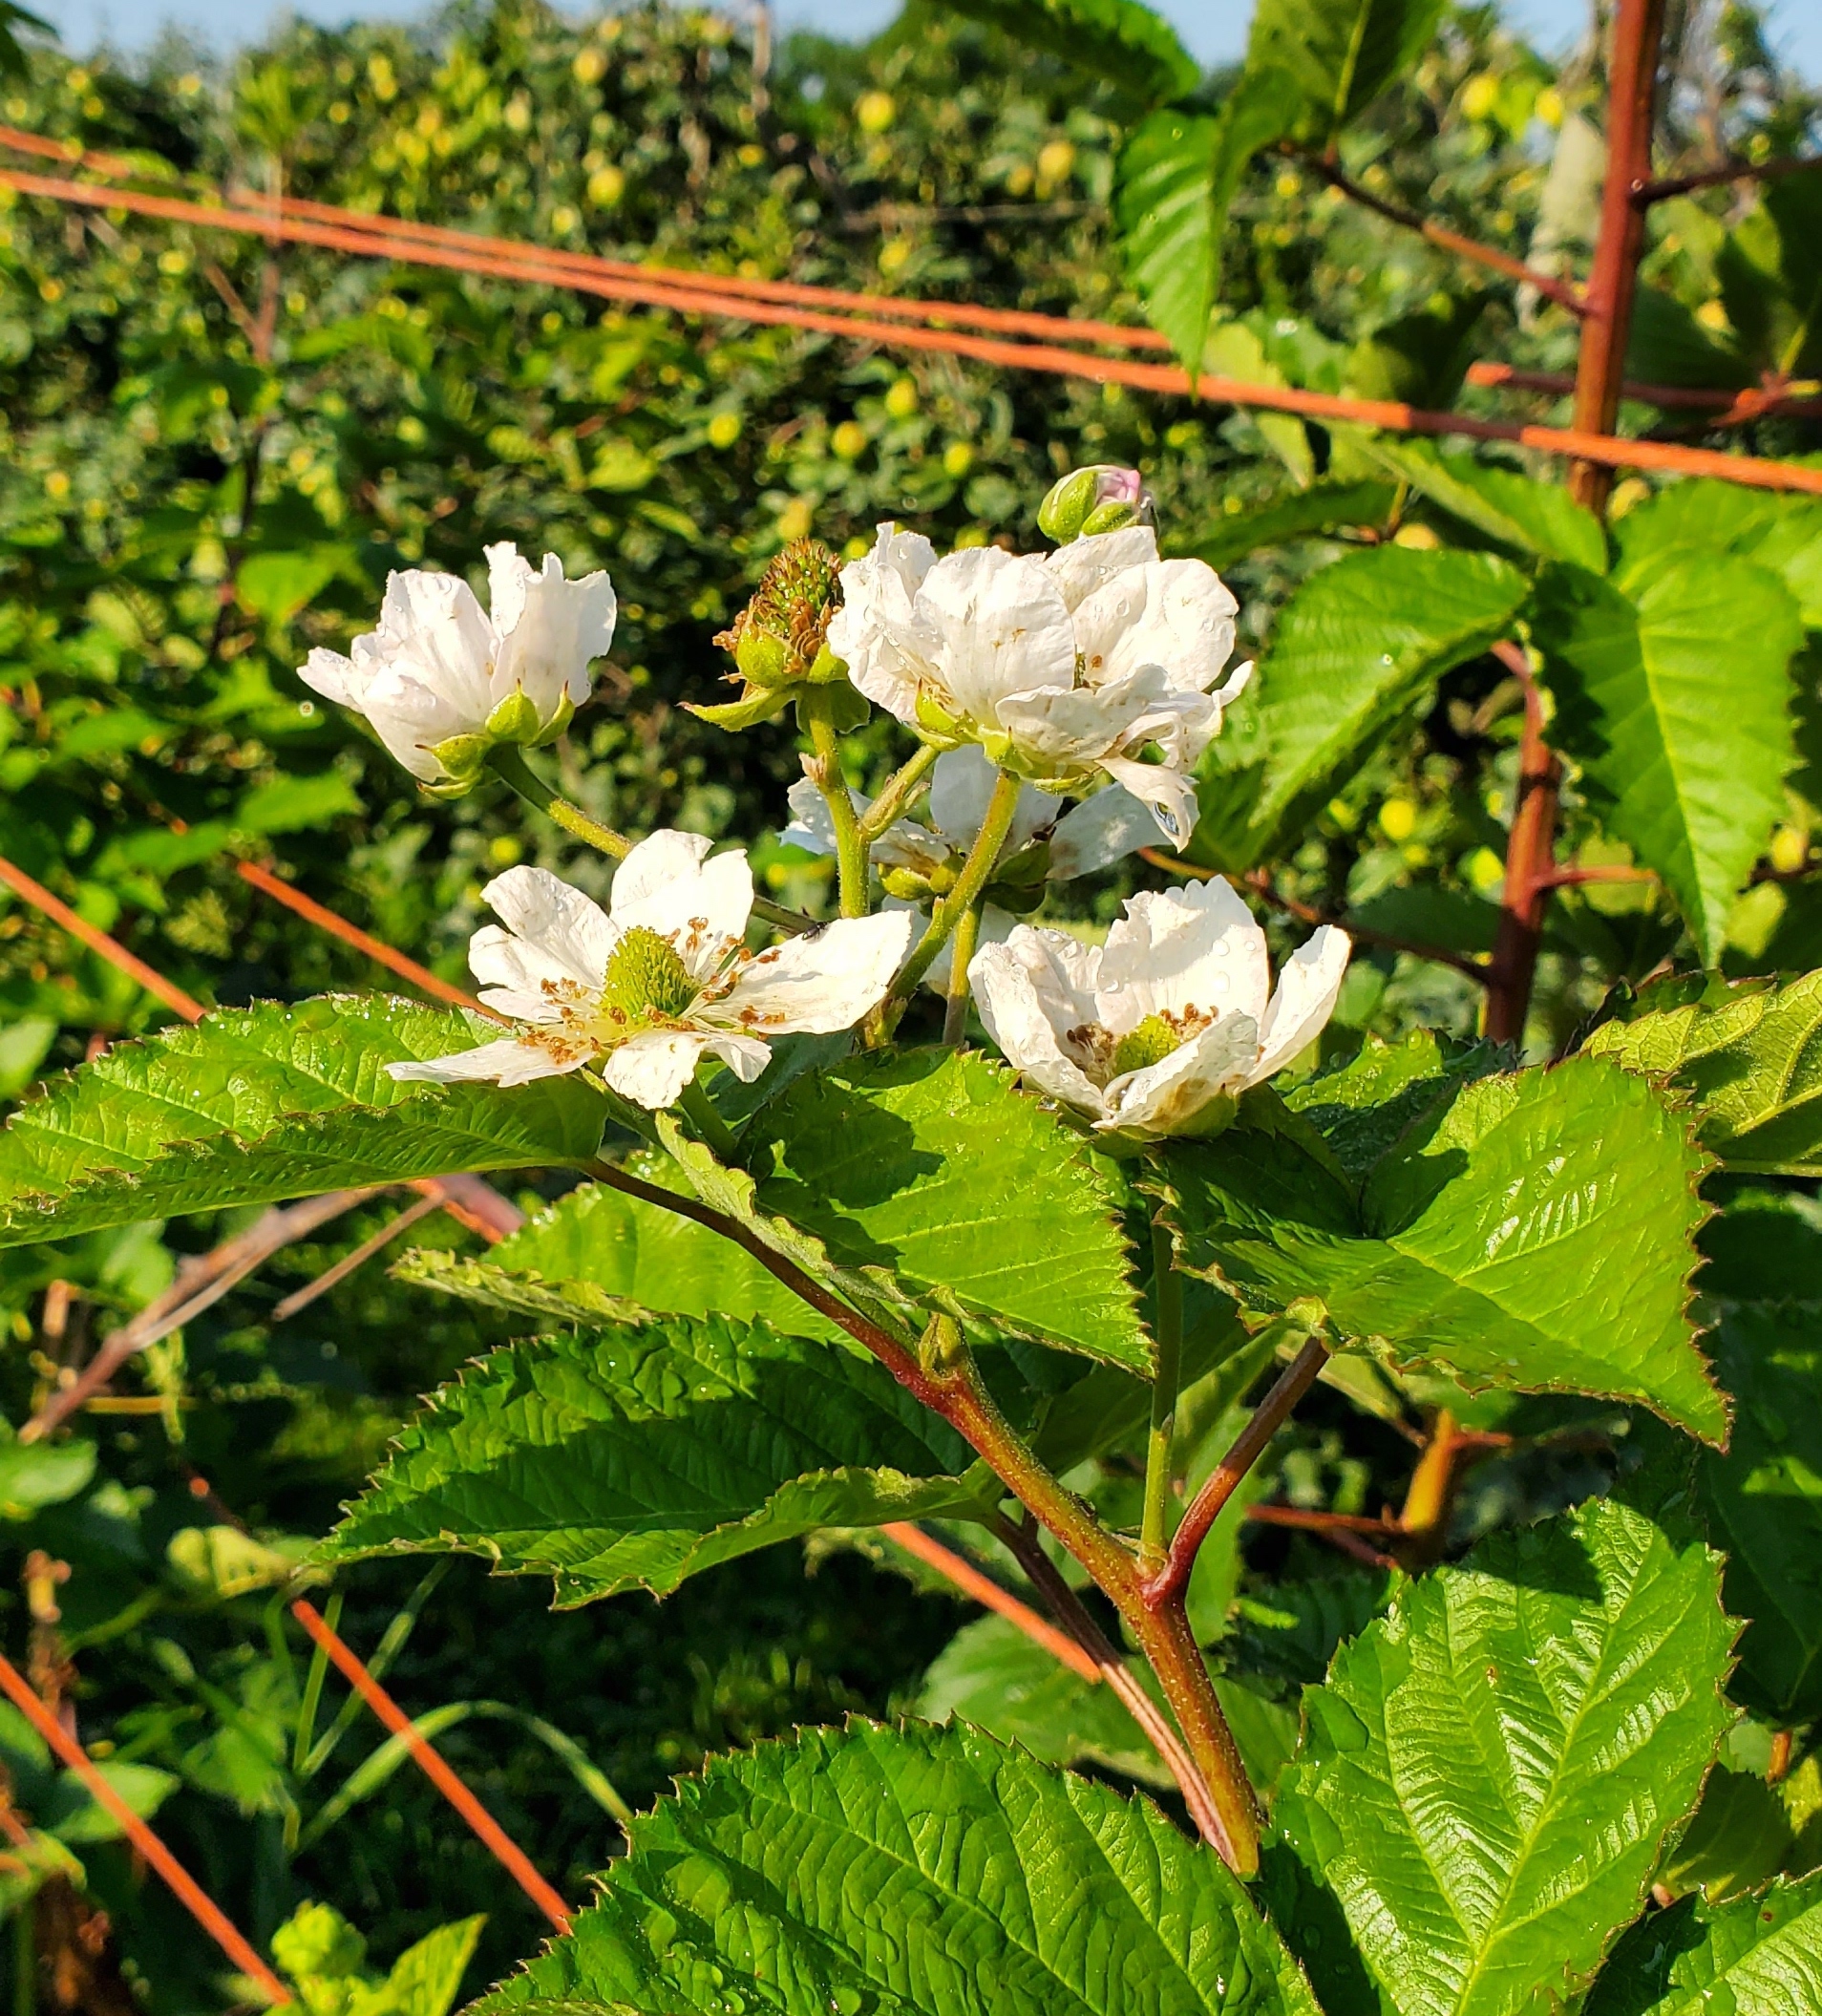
213	456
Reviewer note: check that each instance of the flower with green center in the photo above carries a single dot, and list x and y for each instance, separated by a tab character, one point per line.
661	978
1158	1031
779	642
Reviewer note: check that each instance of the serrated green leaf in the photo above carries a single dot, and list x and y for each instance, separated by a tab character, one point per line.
1127	43
1343	54
932	1167
1759	1956
1749	1057
1355	652
427	1977
1177	173
1517	511
638	1456
1362	1107
1637	664
597	1250
1701	518
1320	508
1764	1502
1533	1232
252	1105
926	1872
1490	1771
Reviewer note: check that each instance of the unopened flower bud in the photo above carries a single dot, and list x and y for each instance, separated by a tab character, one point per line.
1103	497
780	638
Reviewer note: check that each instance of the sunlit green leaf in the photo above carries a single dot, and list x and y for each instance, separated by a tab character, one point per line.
1491	1769
640	1455
917	1870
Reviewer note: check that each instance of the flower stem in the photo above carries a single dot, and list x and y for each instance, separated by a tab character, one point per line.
1168	1324
899	789
955	1009
512	768
950	910
815	713
711	1130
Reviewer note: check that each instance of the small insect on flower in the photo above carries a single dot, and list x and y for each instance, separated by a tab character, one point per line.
662	977
1158	1031
441	681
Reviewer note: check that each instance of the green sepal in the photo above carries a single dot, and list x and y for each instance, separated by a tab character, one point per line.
462	757
558	721
1066	511
757	706
515	719
764	660
1111	517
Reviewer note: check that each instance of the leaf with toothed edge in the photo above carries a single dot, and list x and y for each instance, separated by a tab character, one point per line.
638	1456
929	1170
911	1872
1758	1956
252	1105
1747	1056
1534	1231
598	1249
1492	1771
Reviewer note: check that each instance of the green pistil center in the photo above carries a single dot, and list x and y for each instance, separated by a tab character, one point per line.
646	982
1150	1043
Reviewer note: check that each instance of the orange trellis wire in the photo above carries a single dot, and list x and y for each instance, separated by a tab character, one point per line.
926	326
196	1900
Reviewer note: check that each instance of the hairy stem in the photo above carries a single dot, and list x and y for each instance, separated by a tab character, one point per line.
958	1395
950	909
510	765
1067	1607
955	1006
1171	1582
817	713
899	789
1168	1325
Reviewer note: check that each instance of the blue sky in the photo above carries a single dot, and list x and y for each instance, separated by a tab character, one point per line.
1213	28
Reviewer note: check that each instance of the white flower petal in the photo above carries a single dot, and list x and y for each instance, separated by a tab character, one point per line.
513	1060
1002	627
516	973
1309	986
335	677
960	787
1183	951
1028	991
811	826
652	1068
1176	614
1085	564
1100	831
819	983
1167	794
1173	1097
877	632
549	630
746	1056
570	934
660	858
432	627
